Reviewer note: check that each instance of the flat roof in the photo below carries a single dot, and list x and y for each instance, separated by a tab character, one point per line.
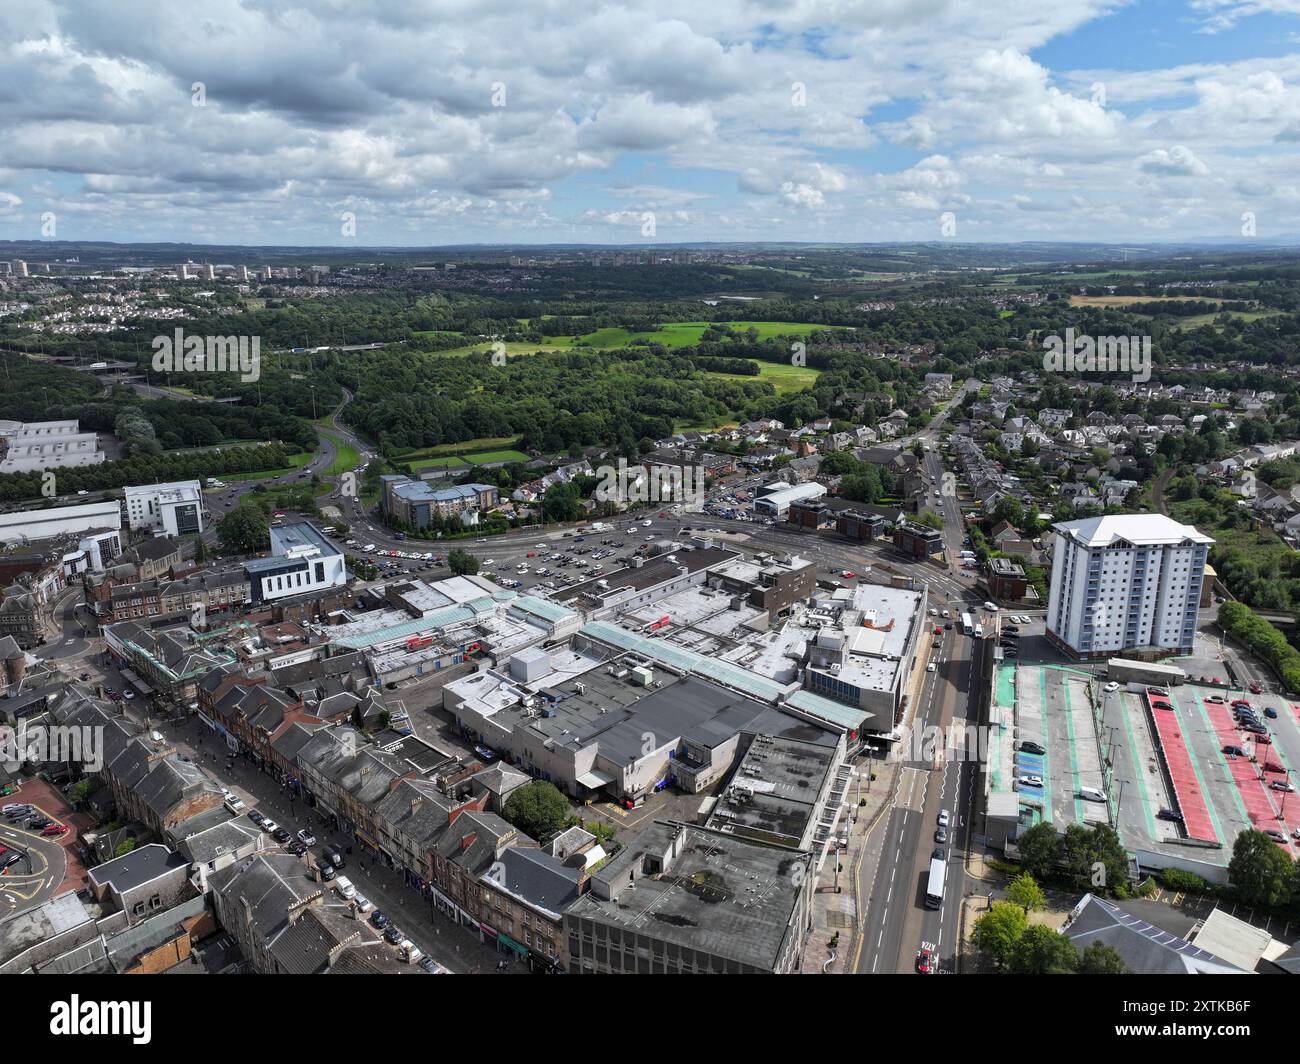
1140	530
723	895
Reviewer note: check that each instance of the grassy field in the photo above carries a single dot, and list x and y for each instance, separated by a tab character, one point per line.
296	463
495	456
481	443
1124	301
686	333
345	457
782	377
441	463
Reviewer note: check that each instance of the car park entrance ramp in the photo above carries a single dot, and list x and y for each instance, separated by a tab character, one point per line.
1178	763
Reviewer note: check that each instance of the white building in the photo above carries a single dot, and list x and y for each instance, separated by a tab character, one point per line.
28	525
37	445
1125	583
166	509
776	503
302	561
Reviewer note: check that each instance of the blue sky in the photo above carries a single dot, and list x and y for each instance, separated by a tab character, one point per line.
267	122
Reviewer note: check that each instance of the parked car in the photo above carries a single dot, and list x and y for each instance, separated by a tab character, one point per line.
393	934
282	836
1031	747
1112	686
940	835
1031	781
307	837
296	848
53	829
270	826
1170	814
378	920
1271	713
1282	785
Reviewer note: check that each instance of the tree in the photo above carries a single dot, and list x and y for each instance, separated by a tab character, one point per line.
1026	893
462	563
244	530
538	809
124	847
1044	951
200	551
1040	849
998	931
1260	870
1101	959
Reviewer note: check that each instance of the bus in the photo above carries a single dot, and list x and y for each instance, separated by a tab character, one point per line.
934	888
967	625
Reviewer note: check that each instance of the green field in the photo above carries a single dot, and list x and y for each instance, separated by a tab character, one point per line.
296	463
687	333
481	443
346	456
782	377
495	456
441	463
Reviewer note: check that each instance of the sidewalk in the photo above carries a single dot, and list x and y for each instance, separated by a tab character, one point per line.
839	913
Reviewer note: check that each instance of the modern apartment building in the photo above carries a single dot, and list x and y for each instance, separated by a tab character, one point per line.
416	503
302	562
1128	583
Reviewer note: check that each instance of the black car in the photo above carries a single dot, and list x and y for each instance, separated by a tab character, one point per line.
1010	629
10	859
1234	750
281	836
1255	729
393	934
1030	747
948	627
939	854
1170	814
297	847
256	817
378	920
941	834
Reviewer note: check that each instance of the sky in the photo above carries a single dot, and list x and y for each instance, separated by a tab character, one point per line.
417	123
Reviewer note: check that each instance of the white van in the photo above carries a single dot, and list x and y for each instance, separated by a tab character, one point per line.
344	886
1091	794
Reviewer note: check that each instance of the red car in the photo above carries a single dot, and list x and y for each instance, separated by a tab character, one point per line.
925	962
1255	689
53	829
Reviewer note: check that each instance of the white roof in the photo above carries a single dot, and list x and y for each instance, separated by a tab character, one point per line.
1139	529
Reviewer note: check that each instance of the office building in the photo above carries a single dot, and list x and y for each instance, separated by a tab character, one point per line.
1127	583
302	561
166	509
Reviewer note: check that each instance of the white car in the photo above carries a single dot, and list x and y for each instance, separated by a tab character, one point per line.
934	612
307	837
270	826
1031	781
363	904
127	693
943	818
930	667
647	524
992	607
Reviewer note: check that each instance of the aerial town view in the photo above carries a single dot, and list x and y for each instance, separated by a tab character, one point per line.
651	490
